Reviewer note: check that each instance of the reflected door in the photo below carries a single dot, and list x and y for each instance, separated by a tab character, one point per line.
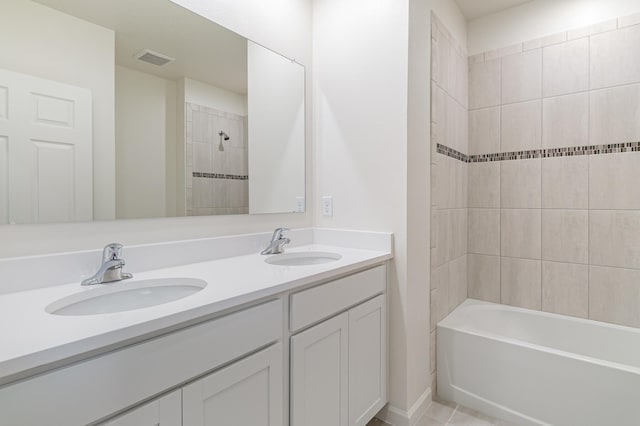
46	163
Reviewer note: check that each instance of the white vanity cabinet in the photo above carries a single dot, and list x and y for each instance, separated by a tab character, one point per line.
220	398
164	411
339	366
89	391
249	392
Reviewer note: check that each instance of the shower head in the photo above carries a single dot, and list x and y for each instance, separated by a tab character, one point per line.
224	136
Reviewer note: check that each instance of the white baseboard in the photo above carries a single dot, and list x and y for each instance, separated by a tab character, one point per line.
397	417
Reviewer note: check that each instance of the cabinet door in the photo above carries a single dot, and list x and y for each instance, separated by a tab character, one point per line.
248	392
164	411
319	375
367	360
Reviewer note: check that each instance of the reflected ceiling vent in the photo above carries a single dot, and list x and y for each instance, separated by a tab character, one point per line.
154	58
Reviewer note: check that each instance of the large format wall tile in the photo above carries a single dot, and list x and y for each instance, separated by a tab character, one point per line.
484	277
484	185
566	68
565	236
439	293
521	283
522	77
565	121
458	232
614	181
565	183
565	289
457	282
614	58
484	131
614	238
520	233
614	295
521	126
520	183
615	115
484	231
484	84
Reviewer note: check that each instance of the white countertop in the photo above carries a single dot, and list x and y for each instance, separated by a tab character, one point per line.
33	339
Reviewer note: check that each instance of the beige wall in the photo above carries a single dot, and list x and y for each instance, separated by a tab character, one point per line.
371	94
145	137
283	25
48	44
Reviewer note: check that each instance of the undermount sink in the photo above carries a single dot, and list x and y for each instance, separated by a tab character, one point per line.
303	258
126	296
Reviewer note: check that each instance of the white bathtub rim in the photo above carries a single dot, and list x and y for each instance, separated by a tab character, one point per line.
470	330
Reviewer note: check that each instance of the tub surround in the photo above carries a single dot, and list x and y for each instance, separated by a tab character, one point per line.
449	178
554	144
236	274
518	365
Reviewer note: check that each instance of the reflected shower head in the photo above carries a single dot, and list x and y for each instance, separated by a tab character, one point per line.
224	136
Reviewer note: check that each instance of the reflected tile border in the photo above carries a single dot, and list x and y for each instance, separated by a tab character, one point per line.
219	176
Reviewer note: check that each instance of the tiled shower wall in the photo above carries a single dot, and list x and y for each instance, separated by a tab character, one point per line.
449	114
554	209
217	181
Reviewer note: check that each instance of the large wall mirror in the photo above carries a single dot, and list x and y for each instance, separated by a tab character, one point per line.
120	109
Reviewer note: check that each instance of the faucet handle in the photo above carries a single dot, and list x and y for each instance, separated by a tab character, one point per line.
277	234
111	252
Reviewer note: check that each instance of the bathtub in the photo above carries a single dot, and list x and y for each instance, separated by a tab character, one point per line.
537	368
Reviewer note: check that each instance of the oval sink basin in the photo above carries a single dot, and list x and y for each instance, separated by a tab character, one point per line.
126	296
303	258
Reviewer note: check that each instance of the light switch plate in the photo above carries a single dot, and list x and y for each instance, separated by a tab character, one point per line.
327	205
299	204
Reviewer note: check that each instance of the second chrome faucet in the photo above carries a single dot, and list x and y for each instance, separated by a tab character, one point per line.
278	240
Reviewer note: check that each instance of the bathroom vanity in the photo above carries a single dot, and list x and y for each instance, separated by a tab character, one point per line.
298	340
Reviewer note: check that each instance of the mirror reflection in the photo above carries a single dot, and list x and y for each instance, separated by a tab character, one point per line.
112	109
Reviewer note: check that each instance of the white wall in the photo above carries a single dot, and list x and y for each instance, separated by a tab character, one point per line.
372	137
540	18
283	25
213	97
145	133
275	131
43	42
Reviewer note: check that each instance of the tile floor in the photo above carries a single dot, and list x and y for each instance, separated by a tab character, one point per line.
442	413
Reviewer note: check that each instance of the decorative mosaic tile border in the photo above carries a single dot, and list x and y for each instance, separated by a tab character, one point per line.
220	176
540	153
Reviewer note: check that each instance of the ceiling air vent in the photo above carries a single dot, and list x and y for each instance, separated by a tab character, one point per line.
154	58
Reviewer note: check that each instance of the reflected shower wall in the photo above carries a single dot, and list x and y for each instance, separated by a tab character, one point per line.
217	179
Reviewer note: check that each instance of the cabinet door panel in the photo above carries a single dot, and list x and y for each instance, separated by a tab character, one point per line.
248	392
367	360
164	411
319	375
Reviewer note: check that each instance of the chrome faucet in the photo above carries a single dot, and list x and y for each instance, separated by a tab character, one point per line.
111	268
276	246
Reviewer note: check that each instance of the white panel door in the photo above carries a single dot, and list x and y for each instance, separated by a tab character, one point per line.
46	166
319	374
164	411
367	360
248	392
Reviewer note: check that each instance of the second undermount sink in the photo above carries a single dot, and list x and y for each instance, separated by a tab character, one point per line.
303	258
126	296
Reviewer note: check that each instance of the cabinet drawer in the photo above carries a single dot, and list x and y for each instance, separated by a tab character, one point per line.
323	301
96	388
